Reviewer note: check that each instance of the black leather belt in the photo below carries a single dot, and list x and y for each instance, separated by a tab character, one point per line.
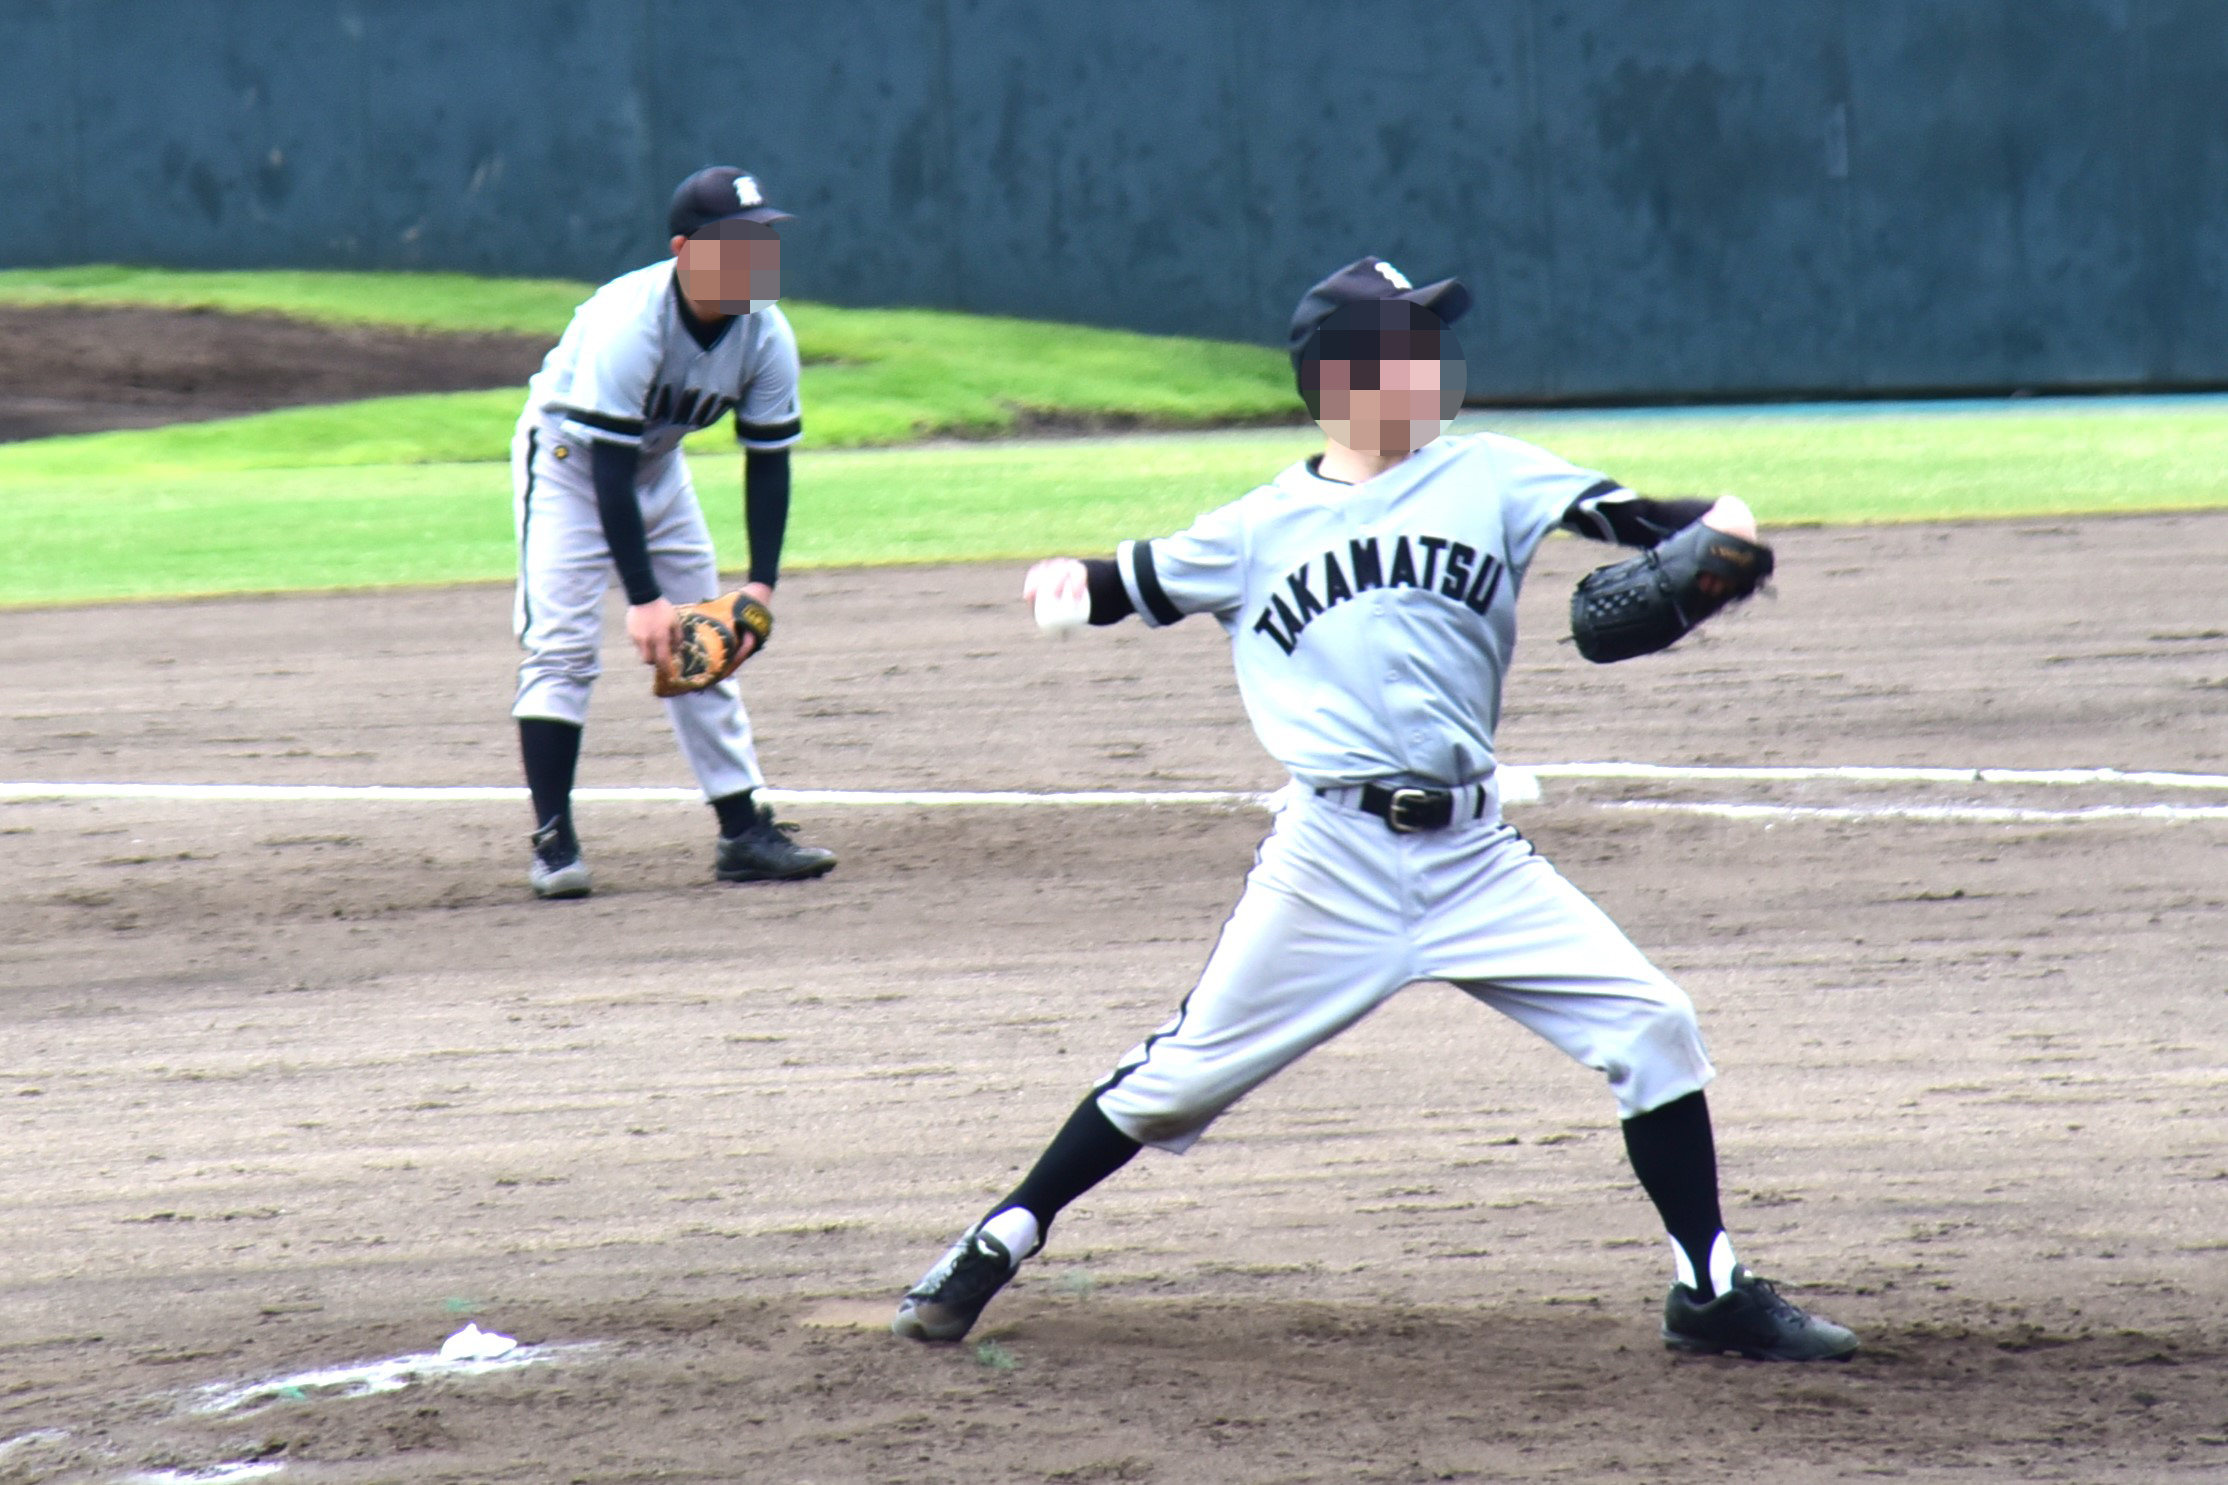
1406	811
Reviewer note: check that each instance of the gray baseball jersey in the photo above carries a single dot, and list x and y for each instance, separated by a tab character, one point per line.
628	371
1371	625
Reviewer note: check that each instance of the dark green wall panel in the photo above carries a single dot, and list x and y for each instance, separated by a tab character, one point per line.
1652	198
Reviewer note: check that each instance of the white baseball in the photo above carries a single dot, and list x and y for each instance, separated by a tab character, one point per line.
1732	516
1060	609
1059	594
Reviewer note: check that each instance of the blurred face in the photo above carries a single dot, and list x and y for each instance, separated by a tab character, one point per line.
735	267
1383	377
1381	407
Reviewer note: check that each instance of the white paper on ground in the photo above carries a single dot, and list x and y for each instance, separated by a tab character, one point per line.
474	1344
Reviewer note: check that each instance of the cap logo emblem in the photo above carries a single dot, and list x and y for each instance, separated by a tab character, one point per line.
1393	276
746	192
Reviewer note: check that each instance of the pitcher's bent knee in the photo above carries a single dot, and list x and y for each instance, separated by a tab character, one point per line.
1660	1057
1167	1119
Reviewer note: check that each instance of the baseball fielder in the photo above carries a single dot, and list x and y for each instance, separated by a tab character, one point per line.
602	488
1369	594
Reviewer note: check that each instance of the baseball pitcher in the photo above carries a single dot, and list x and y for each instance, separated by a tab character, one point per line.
1369	596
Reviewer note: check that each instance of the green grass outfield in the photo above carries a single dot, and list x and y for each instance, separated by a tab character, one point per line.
150	535
409	490
871	376
416	301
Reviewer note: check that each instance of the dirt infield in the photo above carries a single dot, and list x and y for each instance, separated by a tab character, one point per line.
289	1086
71	369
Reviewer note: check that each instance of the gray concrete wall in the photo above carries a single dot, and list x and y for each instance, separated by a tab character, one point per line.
1652	197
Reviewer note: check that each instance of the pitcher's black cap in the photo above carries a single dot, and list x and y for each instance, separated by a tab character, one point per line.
1371	278
719	193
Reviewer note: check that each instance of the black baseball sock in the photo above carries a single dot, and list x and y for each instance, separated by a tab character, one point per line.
1675	1156
551	751
1086	1151
736	812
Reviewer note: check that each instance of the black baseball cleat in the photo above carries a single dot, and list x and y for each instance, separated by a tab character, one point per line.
1752	1320
765	853
945	1304
557	870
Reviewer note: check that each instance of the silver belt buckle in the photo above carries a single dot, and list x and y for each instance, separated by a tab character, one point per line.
1397	807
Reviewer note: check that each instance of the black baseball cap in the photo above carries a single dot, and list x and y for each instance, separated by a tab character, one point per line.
719	193
1370	278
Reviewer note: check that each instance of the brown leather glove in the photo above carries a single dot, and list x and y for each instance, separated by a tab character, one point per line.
716	636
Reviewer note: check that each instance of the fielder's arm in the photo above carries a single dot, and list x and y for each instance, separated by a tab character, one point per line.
650	619
765	516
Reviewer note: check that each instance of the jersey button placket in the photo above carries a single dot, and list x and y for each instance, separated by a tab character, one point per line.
1400	709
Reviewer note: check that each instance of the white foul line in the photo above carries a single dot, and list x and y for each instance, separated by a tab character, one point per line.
1519	785
1975	814
512	793
1869	774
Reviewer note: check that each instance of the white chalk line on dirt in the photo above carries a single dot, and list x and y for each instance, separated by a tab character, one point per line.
367	1378
515	794
1872	774
1978	814
35	1436
215	1474
1519	785
360	1379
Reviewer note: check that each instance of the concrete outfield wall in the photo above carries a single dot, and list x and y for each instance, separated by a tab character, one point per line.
1653	197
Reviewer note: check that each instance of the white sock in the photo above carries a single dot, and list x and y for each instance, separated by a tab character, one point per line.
1722	1264
1016	1228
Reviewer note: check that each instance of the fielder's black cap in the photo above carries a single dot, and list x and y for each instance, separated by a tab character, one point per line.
1372	278
719	193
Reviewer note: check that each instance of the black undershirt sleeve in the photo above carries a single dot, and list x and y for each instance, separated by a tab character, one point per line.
1109	599
1609	512
614	466
765	510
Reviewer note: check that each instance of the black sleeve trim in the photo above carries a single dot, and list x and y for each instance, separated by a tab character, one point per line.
1148	585
1609	512
1584	516
1110	603
604	422
765	510
767	432
617	506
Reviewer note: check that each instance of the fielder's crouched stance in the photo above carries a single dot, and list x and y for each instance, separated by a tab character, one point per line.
602	488
1370	598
